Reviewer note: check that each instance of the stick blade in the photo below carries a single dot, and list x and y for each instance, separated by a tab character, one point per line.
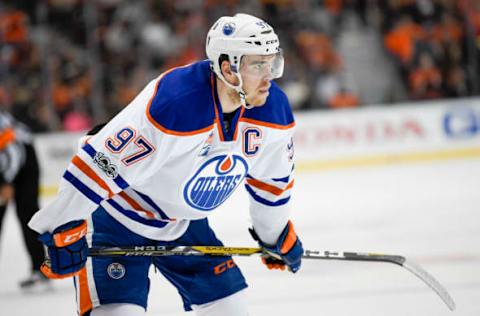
431	282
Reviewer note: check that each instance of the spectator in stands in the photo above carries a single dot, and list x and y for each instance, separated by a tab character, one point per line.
455	83
401	40
425	80
149	36
343	99
13	27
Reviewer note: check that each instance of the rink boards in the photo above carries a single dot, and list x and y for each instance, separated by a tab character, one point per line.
371	135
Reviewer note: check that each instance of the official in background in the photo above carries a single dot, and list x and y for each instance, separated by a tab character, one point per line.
19	181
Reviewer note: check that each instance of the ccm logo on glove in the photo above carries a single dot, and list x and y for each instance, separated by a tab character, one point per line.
70	236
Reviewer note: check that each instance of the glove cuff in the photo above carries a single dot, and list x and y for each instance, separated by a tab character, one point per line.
47	271
287	239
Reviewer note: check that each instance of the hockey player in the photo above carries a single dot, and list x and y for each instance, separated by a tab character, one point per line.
153	174
19	181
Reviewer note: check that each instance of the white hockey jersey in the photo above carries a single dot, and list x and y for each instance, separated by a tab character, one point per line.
167	158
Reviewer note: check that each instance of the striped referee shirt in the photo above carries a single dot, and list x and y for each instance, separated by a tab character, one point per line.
13	136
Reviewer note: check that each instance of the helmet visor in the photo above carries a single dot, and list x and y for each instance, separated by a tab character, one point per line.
263	66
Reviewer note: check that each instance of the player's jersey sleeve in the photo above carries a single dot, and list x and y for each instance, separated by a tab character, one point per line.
122	154
270	181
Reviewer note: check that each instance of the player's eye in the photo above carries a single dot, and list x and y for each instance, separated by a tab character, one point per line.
259	67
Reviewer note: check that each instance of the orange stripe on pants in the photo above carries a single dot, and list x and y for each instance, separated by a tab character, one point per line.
85	302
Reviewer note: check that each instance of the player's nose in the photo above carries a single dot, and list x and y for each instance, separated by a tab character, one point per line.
268	76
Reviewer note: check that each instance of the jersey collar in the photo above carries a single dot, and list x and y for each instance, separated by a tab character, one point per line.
233	132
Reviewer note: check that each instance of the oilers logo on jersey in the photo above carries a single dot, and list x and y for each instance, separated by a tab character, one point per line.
214	181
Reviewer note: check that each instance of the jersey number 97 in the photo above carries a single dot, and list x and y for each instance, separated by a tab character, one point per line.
127	136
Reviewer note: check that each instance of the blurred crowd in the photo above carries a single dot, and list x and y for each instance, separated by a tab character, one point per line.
427	40
68	64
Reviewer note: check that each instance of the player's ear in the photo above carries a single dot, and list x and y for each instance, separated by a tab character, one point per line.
227	72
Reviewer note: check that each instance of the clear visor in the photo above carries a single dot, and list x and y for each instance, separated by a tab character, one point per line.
263	66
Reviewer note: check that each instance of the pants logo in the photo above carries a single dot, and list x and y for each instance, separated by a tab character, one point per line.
116	270
224	266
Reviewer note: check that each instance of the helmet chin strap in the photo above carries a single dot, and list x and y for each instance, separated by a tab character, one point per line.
239	89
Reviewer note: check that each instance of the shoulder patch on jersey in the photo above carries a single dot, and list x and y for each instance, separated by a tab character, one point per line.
182	103
275	113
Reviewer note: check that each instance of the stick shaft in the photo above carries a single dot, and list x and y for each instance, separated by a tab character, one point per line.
155	251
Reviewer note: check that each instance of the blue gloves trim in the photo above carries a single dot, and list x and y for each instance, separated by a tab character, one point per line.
67	250
287	251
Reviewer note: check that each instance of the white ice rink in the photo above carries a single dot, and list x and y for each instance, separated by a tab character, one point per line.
428	212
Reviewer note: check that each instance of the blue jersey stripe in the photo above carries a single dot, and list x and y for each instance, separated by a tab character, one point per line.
134	215
150	202
121	182
261	200
89	150
284	179
80	186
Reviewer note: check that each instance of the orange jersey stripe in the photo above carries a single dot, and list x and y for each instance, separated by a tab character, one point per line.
7	136
80	164
268	187
135	205
170	132
85	304
267	124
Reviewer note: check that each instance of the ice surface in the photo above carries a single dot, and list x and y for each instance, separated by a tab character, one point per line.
428	212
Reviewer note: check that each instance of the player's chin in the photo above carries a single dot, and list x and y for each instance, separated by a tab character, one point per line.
260	99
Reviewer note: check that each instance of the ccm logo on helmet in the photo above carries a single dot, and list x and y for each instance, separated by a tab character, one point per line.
215	181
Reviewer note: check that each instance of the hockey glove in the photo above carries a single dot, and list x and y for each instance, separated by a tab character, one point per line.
67	250
287	252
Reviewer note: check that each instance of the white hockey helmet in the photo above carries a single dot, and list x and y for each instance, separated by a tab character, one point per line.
241	35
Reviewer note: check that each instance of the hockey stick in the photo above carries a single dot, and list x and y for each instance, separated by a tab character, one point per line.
155	251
